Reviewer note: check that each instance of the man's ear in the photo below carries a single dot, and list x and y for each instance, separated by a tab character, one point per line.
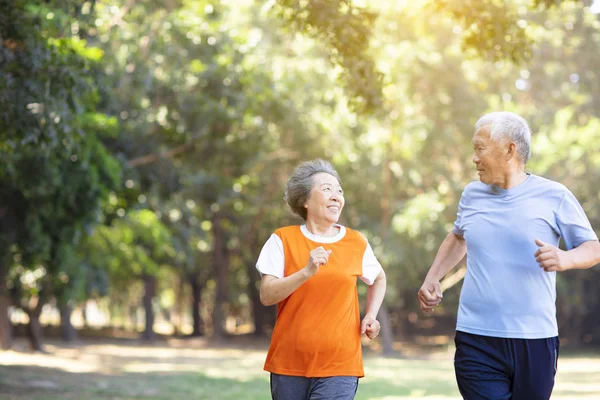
511	151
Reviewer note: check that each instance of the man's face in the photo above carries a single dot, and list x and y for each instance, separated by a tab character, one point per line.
490	157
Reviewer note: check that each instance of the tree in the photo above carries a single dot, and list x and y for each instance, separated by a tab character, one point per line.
135	248
46	91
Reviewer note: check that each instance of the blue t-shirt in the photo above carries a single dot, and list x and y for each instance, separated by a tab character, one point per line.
505	292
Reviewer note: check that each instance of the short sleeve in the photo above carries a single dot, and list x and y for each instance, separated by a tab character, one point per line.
271	260
457	229
370	266
574	226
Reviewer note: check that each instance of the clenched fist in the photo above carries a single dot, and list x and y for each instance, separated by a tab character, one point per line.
551	258
316	259
370	326
430	295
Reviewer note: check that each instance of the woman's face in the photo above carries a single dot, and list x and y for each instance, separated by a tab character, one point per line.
326	199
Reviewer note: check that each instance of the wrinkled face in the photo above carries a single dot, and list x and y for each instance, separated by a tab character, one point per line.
326	199
490	157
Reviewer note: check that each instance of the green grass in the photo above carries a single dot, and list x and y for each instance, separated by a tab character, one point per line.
129	370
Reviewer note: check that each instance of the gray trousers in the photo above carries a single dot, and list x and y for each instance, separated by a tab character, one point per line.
286	387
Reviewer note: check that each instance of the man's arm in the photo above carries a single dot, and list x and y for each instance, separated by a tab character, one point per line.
551	258
451	251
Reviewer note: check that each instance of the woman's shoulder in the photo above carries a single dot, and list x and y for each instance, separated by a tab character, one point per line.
352	234
287	230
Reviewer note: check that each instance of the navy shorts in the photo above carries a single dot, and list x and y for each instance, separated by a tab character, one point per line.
286	387
493	368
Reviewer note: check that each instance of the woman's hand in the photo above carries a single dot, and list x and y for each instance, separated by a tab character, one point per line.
370	326
316	259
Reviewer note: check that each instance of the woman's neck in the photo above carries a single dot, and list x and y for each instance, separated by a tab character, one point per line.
323	229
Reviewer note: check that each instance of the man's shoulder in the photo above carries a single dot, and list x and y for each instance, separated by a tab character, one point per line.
547	184
475	187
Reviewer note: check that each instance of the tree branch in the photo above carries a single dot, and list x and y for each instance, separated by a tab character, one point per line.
151	158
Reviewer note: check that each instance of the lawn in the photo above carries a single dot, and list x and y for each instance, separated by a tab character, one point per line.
192	369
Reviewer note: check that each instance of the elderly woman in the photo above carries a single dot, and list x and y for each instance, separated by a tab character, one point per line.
310	272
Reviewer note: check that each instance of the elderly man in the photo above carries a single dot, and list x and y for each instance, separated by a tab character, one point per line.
509	225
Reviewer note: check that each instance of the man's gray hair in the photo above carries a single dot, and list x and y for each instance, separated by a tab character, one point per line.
507	125
300	183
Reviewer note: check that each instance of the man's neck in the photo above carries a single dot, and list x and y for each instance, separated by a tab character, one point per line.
513	179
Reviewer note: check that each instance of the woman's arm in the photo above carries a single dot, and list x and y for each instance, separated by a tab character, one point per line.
273	289
375	295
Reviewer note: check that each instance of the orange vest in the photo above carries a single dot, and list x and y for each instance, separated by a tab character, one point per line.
317	332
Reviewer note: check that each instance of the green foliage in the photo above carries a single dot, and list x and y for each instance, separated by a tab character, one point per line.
134	245
493	29
210	105
346	30
55	167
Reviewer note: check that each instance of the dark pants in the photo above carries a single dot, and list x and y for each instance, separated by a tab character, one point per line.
286	387
494	368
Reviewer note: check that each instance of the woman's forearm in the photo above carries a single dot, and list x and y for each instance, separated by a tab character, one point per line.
375	295
273	289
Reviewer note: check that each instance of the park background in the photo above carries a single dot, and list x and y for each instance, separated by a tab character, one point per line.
145	146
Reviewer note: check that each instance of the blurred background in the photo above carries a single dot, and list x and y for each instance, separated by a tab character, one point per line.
145	146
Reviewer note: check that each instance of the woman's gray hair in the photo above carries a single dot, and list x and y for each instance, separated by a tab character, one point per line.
507	125
300	184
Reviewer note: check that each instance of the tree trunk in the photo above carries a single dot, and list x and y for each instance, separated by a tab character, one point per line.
84	317
5	325
198	323
387	335
11	220
179	308
220	266
34	329
66	327
149	292
259	312
5	301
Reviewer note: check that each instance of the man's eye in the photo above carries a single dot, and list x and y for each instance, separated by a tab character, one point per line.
326	189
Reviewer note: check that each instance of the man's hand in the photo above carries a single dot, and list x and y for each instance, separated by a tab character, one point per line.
317	258
551	258
370	326
430	295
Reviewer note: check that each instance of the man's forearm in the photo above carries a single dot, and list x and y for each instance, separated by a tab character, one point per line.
451	251
375	295
585	256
